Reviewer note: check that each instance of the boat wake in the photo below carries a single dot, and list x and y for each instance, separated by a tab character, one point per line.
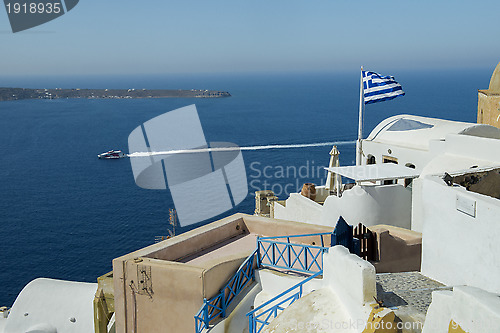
235	148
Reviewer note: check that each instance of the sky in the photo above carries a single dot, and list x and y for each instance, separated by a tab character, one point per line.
221	36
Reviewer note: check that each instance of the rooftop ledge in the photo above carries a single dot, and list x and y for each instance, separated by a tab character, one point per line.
233	235
488	92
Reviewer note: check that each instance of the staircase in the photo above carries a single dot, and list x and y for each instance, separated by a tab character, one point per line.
277	253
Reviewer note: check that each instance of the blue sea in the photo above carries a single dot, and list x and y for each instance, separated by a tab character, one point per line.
66	214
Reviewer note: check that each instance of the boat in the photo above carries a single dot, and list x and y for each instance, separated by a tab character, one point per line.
112	154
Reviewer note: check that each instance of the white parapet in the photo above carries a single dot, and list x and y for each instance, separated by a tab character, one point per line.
470	309
300	209
439	312
352	279
344	301
368	203
273	283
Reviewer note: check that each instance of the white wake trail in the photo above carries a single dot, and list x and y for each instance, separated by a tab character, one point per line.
215	149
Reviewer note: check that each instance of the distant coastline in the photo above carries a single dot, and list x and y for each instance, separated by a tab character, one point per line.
13	94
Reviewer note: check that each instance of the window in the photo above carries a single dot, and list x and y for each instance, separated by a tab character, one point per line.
371	159
389	159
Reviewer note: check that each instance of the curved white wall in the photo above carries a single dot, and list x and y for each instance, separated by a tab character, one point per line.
368	204
371	205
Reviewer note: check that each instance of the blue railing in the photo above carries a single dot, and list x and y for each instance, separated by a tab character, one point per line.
293	256
217	305
261	316
277	252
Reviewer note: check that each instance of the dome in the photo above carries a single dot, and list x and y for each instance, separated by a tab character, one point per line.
415	131
495	81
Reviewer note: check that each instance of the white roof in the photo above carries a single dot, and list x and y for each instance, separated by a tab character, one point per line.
375	172
457	165
47	305
417	132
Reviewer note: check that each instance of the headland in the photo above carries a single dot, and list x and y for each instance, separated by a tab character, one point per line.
12	94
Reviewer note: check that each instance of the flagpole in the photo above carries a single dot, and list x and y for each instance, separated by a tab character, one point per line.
359	151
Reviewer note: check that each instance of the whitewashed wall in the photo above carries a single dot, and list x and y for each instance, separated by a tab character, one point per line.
368	204
473	147
458	249
300	209
419	158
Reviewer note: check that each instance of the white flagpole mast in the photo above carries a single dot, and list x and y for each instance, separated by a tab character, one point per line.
359	151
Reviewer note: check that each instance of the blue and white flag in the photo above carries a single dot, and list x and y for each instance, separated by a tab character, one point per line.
378	88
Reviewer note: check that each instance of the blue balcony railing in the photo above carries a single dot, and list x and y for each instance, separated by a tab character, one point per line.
277	252
217	305
262	316
280	252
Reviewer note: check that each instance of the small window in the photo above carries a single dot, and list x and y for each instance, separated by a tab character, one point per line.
371	160
389	159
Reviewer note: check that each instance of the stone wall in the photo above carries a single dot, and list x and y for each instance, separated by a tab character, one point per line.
488	108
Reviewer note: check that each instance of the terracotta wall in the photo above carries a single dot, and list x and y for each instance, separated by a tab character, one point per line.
398	249
154	292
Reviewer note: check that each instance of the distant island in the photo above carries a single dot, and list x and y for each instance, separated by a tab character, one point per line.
12	94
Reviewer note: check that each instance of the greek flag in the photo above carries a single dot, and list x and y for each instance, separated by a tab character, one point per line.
378	88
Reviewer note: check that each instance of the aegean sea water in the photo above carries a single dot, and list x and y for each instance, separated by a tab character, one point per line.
66	214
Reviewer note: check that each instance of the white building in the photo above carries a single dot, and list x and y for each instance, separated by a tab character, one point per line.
383	193
449	192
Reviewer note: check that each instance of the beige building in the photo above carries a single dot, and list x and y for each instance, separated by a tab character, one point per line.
488	105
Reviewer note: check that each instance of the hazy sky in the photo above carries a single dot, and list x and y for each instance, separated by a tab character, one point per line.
153	36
